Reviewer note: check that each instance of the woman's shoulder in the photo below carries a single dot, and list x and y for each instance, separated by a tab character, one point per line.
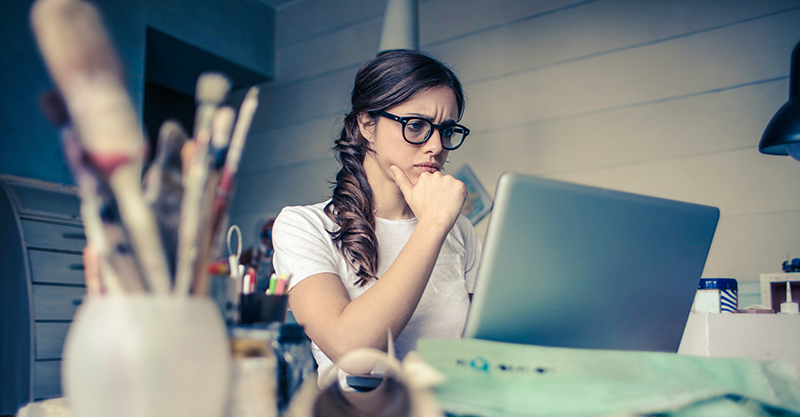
313	214
308	210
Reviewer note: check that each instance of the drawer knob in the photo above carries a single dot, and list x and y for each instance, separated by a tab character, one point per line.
75	236
77	301
76	267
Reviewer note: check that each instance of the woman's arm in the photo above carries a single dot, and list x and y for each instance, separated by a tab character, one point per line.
337	324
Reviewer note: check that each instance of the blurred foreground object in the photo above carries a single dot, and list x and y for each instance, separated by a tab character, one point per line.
145	241
139	346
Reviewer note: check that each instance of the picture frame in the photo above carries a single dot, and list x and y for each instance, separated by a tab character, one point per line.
478	203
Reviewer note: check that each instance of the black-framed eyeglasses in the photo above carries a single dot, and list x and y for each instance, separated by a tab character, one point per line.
417	131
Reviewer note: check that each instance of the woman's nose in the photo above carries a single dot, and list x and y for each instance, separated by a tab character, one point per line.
434	143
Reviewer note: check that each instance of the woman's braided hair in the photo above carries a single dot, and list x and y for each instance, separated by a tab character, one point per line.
386	81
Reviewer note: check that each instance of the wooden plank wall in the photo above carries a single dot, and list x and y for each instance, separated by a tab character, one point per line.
667	98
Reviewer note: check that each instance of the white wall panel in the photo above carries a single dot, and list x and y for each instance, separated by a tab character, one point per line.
268	149
441	20
314	18
747	52
578	32
304	101
738	182
697	125
745	246
341	49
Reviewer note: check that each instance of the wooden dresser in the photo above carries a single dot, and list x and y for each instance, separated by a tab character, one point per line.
41	286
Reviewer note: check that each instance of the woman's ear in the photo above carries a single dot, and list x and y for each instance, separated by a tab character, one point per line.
366	125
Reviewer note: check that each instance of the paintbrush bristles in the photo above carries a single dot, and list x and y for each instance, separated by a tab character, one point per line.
72	40
210	91
221	127
211	88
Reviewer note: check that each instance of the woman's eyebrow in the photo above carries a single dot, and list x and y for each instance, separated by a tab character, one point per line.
421	116
430	118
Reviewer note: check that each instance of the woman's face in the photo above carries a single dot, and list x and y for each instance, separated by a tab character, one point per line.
385	136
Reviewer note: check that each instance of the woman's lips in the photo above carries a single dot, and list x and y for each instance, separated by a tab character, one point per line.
431	168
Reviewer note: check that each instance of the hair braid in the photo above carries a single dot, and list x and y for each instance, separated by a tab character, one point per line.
351	205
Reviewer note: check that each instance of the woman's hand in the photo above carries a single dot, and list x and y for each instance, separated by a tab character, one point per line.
435	199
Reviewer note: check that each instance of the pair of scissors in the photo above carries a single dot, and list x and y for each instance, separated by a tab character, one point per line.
237	271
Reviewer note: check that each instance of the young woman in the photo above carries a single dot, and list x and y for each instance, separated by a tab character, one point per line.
389	251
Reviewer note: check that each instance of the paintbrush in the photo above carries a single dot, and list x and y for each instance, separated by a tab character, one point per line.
227	181
82	62
119	271
91	203
211	91
220	138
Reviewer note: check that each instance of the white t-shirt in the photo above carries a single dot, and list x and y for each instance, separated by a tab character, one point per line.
303	247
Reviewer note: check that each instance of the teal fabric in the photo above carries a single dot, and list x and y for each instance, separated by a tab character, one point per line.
501	379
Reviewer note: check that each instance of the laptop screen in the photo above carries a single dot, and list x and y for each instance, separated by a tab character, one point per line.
569	265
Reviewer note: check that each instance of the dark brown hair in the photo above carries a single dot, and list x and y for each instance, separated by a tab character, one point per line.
386	81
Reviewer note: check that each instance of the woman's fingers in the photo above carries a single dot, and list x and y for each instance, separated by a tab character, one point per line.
402	181
434	197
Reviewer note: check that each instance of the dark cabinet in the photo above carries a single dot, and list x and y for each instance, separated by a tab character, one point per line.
41	286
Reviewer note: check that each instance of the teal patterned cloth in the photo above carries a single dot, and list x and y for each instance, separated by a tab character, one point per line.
501	379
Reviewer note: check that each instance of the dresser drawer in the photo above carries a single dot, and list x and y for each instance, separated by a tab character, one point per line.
50	340
47	381
62	268
37	201
42	235
51	302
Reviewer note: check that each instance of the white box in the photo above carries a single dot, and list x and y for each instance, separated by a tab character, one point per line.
767	281
761	336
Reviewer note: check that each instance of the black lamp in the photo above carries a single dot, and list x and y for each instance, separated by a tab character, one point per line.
782	135
400	26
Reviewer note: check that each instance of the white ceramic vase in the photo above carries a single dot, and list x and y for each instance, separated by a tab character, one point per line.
146	356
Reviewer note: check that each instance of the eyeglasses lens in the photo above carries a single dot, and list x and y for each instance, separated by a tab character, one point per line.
419	130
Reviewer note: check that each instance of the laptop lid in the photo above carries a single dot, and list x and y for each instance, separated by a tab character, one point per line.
569	265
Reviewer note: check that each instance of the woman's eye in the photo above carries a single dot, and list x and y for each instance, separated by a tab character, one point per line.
416	125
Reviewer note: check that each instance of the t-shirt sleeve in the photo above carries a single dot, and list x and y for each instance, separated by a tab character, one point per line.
473	255
302	245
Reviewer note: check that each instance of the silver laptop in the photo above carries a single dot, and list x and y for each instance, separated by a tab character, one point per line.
568	265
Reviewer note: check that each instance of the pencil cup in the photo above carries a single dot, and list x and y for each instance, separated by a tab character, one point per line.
259	307
146	356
